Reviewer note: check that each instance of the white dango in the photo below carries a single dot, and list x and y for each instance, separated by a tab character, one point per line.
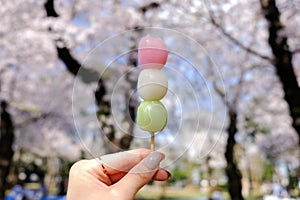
152	84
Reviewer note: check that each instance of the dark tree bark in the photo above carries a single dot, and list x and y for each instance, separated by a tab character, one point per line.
75	68
104	106
49	7
89	76
103	113
283	61
132	100
6	142
232	171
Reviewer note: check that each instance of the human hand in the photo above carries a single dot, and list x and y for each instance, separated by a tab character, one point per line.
121	176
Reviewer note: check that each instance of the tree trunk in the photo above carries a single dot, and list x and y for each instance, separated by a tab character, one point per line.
232	171
283	61
104	113
132	99
6	142
89	76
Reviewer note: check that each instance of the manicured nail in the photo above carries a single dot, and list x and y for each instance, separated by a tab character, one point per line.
169	174
153	159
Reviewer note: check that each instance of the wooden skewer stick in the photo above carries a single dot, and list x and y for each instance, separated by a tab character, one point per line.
152	142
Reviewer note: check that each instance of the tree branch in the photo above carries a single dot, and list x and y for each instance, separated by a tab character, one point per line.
33	119
64	54
222	94
87	76
150	6
238	43
283	60
296	51
74	66
49	7
233	39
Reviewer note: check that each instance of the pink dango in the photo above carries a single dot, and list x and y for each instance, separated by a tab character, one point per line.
152	53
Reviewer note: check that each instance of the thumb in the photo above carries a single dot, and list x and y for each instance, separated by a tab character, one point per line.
140	175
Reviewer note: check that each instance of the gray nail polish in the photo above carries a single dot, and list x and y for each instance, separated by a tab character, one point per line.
152	161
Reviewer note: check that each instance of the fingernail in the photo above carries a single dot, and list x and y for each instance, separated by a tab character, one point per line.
153	159
169	174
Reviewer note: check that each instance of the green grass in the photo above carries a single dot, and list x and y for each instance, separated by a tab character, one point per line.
157	192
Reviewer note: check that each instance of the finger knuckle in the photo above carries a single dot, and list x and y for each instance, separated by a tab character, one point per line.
77	166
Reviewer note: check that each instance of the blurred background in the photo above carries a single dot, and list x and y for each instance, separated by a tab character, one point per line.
68	72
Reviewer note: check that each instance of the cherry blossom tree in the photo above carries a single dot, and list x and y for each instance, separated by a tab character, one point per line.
272	28
37	92
46	45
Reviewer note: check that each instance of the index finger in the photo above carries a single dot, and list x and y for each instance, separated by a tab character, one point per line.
122	161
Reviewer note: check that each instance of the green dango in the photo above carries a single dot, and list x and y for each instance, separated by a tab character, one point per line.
152	116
